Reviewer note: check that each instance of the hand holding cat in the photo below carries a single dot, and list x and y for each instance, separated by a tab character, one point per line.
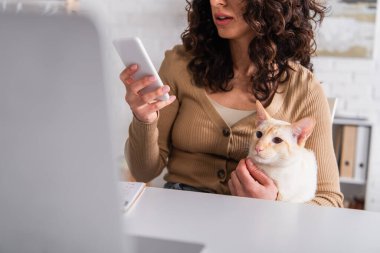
248	181
143	106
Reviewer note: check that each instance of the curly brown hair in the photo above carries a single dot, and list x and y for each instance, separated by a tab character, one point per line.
283	33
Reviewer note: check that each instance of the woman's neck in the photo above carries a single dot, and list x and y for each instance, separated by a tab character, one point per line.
240	96
242	64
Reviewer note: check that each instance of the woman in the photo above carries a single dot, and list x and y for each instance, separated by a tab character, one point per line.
234	52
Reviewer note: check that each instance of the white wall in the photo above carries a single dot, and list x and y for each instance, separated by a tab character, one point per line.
356	82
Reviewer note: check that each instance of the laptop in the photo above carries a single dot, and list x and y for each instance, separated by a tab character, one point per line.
58	180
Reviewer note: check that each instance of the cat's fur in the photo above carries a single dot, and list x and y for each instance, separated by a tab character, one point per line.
292	167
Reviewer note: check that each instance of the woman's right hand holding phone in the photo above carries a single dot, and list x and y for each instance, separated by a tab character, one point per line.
145	107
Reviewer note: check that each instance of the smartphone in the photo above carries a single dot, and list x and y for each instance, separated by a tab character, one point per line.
132	51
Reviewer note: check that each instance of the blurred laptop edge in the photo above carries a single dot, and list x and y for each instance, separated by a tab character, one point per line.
58	190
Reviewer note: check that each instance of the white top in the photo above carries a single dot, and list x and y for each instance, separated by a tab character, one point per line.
230	115
235	224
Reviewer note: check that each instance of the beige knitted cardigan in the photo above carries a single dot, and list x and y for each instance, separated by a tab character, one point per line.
200	149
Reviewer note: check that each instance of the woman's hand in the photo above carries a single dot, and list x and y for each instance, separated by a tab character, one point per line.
144	107
248	181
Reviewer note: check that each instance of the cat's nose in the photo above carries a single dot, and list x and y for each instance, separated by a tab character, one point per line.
258	149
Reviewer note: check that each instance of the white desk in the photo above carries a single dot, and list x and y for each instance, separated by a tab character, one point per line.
231	224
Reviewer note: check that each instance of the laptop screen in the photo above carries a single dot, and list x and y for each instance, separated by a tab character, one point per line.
58	190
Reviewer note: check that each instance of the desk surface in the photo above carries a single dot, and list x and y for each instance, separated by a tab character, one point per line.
234	224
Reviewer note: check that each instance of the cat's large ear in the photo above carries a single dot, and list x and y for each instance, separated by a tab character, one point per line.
261	113
302	129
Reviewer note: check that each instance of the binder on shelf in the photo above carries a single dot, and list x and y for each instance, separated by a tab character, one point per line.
337	141
361	155
347	161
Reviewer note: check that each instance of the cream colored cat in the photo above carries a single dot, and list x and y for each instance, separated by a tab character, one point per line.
278	149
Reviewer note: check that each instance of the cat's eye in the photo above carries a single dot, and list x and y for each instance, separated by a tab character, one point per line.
259	134
277	140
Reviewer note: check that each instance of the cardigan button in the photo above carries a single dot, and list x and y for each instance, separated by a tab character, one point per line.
226	132
221	174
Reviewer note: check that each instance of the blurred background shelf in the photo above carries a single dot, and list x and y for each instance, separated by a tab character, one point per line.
352	146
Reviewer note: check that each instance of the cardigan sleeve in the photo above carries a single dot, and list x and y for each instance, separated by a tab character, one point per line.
147	148
328	187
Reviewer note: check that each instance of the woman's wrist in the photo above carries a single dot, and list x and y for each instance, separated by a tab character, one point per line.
148	120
